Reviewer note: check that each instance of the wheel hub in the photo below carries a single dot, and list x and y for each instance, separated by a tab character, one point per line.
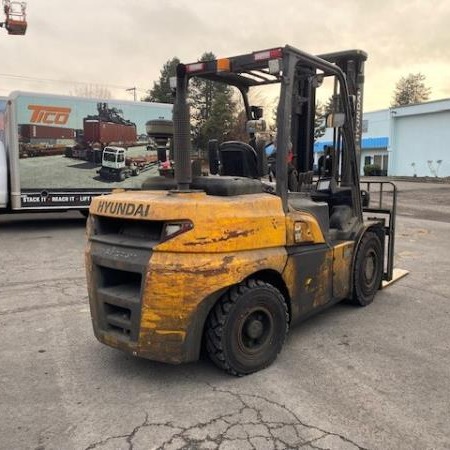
369	269
254	329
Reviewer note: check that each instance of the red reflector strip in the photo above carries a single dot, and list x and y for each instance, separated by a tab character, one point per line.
276	53
269	54
197	67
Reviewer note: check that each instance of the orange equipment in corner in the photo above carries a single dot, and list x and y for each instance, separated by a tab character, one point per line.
15	17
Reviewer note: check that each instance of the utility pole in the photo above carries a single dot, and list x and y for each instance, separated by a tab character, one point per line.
134	92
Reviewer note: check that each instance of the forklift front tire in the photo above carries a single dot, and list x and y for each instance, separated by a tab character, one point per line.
247	328
368	269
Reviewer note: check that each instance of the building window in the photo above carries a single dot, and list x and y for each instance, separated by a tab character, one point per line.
367	160
382	161
365	126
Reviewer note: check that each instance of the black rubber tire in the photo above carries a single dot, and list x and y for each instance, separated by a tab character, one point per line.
158	183
368	269
247	328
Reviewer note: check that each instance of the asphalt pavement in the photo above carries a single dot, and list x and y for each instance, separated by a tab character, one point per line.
349	378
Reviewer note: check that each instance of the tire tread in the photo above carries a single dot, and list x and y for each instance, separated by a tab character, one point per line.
357	297
217	318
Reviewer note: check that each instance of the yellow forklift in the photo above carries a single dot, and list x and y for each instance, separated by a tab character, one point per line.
226	263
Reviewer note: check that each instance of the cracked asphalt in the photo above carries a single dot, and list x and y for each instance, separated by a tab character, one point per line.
349	378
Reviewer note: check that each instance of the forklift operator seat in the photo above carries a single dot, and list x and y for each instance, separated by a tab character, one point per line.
238	159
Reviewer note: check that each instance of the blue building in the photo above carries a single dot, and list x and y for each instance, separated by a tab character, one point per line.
405	141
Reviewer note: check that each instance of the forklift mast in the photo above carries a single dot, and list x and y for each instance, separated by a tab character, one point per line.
351	63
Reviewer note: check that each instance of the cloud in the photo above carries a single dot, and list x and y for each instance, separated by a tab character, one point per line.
125	43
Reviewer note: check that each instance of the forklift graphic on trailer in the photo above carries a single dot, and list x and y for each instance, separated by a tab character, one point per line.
226	263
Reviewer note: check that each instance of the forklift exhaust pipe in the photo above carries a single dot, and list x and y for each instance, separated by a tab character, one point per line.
182	132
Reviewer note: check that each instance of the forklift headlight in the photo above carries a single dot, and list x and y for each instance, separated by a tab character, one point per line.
172	229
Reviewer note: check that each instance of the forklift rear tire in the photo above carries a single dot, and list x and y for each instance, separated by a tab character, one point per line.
368	269
247	328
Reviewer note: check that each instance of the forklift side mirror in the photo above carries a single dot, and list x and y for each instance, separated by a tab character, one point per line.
335	120
257	112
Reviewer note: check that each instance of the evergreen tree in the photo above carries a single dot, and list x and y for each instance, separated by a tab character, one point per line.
220	122
410	90
319	121
161	91
213	109
238	131
322	110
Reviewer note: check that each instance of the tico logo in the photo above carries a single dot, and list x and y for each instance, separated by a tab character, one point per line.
50	115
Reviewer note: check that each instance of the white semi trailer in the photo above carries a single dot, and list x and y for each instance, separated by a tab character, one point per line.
51	148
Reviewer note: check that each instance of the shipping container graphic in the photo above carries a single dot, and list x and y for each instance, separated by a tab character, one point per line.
30	132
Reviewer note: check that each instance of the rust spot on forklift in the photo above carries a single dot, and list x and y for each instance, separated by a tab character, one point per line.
228	234
238	233
197	270
342	258
322	291
228	259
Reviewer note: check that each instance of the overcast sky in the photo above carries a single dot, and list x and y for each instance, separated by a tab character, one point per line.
124	43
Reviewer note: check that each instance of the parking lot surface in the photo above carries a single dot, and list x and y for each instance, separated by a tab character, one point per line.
373	378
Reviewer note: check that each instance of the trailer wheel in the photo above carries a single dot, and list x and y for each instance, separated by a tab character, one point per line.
368	269
247	328
135	172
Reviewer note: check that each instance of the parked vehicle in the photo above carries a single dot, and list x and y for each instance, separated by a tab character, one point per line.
117	166
51	147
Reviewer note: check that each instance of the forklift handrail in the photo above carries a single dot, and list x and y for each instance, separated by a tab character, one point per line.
391	212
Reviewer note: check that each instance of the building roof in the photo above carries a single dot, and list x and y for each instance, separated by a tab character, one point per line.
366	143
